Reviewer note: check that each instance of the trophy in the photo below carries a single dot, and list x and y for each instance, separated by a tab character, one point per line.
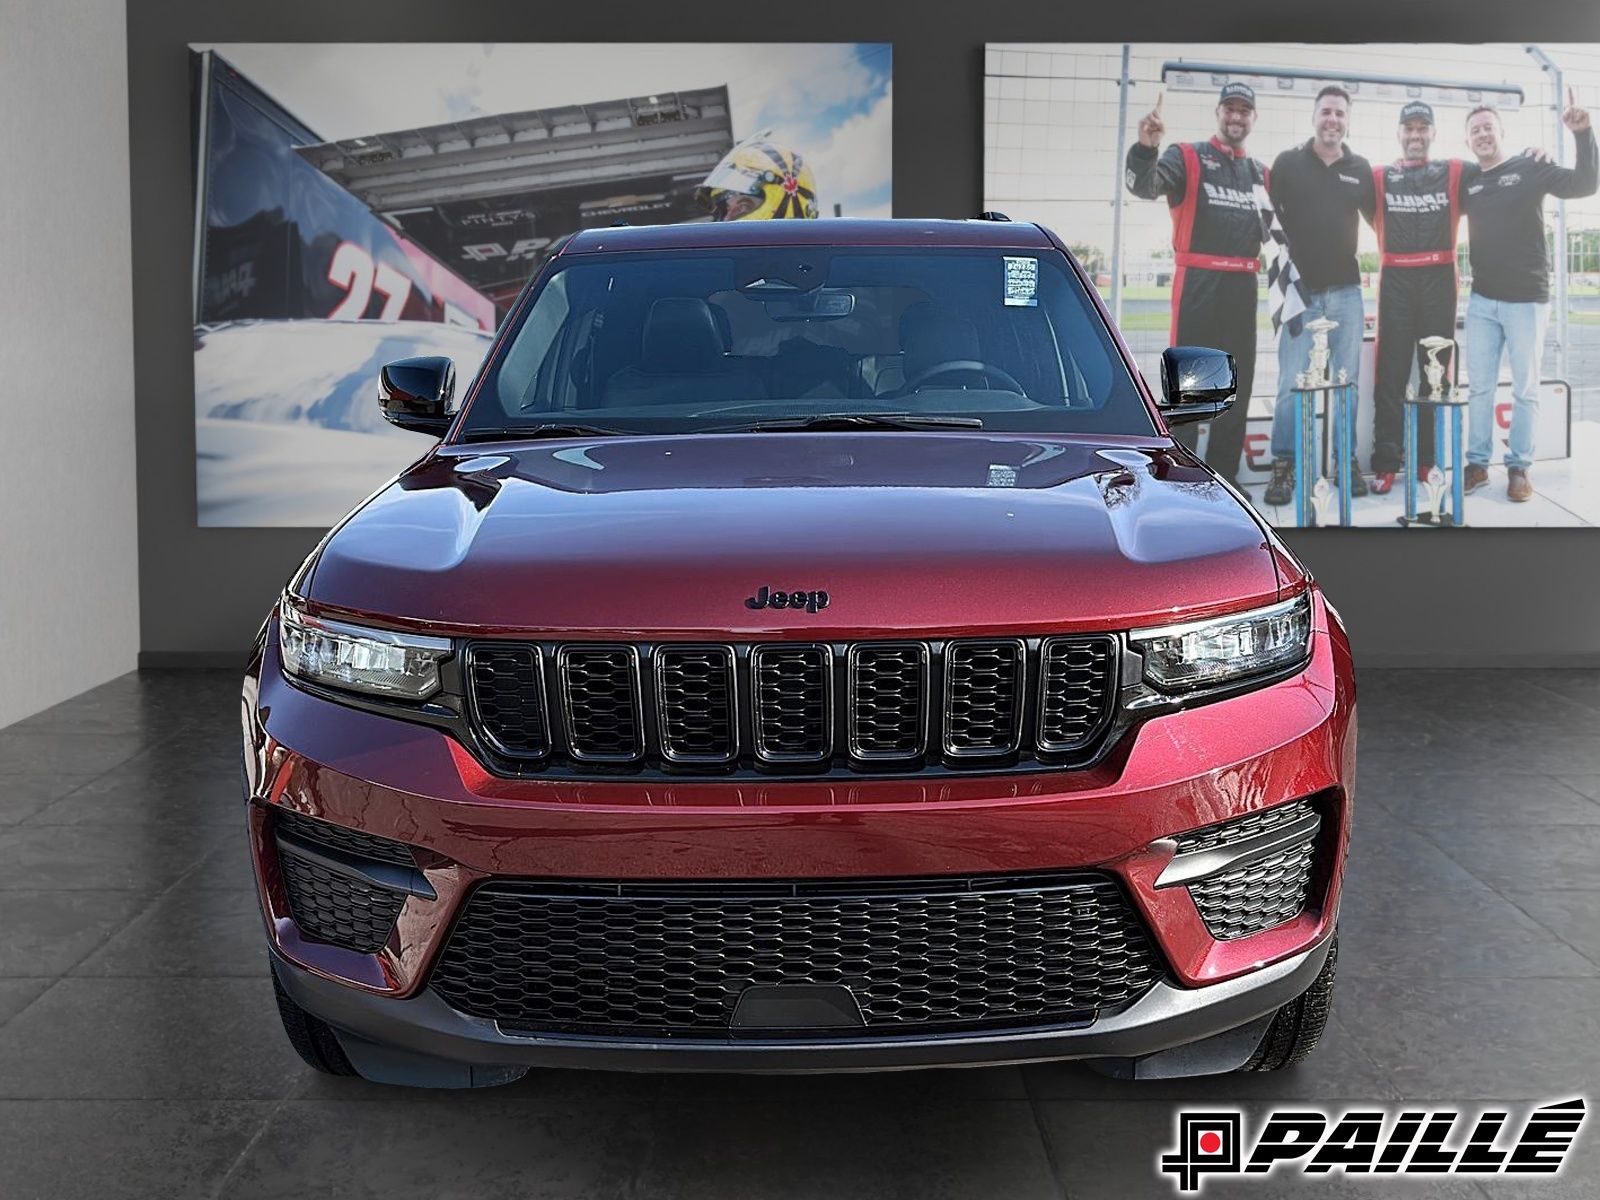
1325	502
1435	369
1436	489
1320	353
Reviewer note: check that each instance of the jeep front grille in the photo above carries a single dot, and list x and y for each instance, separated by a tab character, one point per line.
600	692
793	703
794	707
918	955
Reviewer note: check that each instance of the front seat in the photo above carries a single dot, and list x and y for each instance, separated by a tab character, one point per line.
682	360
929	335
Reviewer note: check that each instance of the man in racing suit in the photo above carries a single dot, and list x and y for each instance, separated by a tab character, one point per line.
1419	207
1217	233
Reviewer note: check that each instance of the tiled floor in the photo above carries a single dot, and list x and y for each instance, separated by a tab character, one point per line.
140	1054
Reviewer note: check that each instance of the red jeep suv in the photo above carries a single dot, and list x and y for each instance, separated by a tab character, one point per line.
806	648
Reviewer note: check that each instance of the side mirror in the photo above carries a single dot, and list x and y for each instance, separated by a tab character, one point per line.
1197	383
415	393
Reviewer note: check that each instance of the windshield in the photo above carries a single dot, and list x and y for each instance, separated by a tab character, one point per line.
682	342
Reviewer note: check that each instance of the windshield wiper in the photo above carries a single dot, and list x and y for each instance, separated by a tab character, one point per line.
528	432
826	421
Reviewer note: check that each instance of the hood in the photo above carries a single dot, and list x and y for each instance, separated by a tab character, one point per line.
914	533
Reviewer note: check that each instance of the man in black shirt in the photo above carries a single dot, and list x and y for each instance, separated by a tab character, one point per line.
1503	199
1320	191
1419	207
1216	239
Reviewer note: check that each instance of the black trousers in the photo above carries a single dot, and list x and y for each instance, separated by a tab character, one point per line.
1218	309
1413	303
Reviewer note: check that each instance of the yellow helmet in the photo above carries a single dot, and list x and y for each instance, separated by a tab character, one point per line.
757	180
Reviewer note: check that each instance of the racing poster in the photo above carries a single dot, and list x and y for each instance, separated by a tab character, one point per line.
342	222
1399	244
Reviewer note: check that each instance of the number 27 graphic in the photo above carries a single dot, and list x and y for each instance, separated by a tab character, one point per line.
353	270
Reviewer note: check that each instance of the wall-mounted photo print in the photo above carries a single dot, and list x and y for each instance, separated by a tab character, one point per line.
1398	244
344	220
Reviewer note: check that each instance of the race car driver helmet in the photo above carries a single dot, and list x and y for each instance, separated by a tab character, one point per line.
757	180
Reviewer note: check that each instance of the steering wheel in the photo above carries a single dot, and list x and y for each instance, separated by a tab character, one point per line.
970	365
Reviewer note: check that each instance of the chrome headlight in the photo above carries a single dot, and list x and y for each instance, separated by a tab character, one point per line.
358	659
1223	649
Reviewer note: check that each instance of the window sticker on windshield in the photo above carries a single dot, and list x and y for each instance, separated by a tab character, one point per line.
1022	282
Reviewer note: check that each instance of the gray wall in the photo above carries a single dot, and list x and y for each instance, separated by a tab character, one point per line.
1474	597
69	616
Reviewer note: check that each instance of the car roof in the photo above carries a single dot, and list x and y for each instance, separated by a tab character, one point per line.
825	232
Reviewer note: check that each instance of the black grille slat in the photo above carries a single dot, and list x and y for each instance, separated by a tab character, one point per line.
508	692
888	700
336	908
1077	688
983	697
600	694
675	962
341	838
793	703
695	692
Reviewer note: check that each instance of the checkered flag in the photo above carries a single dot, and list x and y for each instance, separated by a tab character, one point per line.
1284	300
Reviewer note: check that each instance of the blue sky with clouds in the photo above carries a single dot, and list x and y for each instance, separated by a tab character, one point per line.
832	101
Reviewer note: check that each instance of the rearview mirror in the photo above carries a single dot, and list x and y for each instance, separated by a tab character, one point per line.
825	304
1197	383
415	393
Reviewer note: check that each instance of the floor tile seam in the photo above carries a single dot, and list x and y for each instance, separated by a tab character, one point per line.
103	774
1552	932
1371	1060
249	1145
1398	811
155	898
1046	1144
1423	832
94	822
1584	704
205	977
51	804
1562	781
50	987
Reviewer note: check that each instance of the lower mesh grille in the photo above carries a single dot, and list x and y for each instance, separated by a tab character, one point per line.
1259	895
340	909
918	956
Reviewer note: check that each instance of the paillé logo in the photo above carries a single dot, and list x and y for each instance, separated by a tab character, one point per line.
1314	1142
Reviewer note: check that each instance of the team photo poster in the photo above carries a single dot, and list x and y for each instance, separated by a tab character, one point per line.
1399	245
343	222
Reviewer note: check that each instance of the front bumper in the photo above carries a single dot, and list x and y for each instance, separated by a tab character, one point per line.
1291	740
434	1040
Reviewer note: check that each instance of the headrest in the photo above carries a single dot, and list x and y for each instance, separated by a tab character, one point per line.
930	334
681	336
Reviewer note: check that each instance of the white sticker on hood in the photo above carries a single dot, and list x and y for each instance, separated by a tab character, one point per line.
1022	282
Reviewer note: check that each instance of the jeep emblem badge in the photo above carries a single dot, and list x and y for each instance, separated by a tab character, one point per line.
766	598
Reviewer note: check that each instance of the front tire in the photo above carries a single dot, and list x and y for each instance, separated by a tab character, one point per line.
312	1039
1298	1025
